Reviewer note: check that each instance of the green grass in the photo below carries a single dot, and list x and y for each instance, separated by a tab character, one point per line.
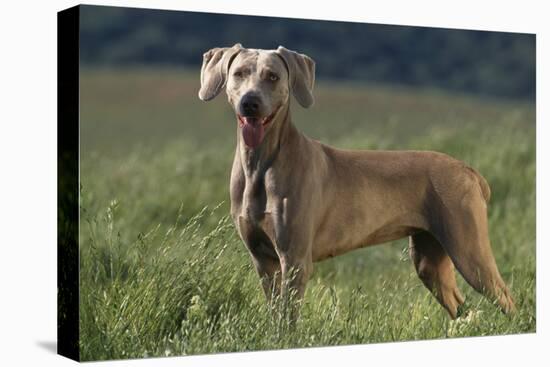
163	272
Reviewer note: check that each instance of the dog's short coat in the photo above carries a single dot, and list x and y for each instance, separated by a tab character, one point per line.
295	201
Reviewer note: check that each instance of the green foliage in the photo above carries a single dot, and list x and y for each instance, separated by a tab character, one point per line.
163	272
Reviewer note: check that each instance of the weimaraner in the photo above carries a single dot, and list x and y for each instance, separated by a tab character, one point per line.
296	201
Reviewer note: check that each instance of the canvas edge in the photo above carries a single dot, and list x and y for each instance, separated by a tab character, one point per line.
68	22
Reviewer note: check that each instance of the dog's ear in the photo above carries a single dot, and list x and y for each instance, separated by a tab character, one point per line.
215	66
301	74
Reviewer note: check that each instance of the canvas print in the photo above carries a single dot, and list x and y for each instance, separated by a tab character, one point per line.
224	179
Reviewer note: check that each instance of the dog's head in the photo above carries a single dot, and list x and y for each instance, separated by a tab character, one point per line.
258	85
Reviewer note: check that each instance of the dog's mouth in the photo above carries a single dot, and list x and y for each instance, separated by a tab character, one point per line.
253	128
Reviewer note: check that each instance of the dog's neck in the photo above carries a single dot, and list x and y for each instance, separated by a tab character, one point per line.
256	161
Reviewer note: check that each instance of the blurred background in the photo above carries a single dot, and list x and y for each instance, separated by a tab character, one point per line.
153	156
150	59
490	63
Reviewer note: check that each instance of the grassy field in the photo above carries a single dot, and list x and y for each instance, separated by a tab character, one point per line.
163	272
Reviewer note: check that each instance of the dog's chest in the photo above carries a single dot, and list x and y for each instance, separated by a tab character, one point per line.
258	200
257	207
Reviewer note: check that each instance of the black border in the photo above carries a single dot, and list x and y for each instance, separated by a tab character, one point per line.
68	22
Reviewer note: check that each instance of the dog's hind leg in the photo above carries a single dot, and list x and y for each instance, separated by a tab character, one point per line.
465	238
436	270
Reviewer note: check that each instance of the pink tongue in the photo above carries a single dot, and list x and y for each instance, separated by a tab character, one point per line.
253	132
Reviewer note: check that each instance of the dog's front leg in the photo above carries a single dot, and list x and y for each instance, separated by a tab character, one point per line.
269	271
292	242
295	274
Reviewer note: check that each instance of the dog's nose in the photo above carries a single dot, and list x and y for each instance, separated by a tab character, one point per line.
250	105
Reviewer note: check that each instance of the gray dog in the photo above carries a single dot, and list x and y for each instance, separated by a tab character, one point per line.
295	201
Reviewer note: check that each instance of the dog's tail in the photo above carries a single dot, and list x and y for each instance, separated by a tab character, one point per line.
483	185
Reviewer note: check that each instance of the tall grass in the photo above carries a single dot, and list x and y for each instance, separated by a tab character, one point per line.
163	272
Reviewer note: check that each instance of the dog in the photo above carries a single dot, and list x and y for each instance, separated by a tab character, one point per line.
296	201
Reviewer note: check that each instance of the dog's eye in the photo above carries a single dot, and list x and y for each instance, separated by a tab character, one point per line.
273	77
238	74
